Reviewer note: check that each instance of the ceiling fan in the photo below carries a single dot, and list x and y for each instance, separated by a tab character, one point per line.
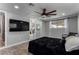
44	13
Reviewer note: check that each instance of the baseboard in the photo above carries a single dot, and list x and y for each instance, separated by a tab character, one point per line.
13	45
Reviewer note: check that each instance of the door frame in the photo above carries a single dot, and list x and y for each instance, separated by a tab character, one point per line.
4	28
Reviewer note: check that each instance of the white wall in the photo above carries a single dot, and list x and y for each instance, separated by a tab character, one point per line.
47	29
72	24
15	37
56	33
53	32
78	23
43	28
38	33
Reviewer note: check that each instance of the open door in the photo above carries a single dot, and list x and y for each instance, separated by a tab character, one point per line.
2	29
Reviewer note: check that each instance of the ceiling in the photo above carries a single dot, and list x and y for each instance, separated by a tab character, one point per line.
26	10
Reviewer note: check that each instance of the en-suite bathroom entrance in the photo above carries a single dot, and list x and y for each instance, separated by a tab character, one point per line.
2	29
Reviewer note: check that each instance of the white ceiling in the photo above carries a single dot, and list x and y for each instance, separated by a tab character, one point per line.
25	10
67	8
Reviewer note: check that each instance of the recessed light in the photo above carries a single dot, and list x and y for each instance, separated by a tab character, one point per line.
16	6
63	14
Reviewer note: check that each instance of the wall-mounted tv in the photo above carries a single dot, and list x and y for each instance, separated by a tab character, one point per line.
18	25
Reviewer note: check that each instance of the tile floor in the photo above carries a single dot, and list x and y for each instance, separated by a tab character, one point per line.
21	49
2	43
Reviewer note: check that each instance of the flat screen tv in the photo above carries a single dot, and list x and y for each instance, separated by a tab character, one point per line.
18	25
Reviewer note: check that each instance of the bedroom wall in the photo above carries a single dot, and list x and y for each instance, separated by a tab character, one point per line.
72	24
47	29
43	28
15	37
56	33
37	33
53	32
78	23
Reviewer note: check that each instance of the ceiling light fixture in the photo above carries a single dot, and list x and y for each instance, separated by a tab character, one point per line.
63	14
16	6
31	4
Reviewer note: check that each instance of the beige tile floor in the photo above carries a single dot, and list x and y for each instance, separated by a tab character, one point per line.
21	49
2	43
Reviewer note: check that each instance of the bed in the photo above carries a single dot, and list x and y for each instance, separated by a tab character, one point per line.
72	45
55	46
46	46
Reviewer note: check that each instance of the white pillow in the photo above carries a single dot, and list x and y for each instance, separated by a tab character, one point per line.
69	38
72	43
77	35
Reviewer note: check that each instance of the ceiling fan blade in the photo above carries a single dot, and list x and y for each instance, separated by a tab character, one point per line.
37	12
44	11
51	11
52	14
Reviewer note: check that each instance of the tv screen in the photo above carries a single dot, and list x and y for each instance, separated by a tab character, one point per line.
17	25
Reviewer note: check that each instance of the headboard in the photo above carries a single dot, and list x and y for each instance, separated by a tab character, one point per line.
72	34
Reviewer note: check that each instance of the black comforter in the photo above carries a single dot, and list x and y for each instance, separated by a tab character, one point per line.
47	46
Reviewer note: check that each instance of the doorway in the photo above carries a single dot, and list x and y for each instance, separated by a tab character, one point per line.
2	29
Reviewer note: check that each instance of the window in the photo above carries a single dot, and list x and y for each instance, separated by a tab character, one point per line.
57	24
